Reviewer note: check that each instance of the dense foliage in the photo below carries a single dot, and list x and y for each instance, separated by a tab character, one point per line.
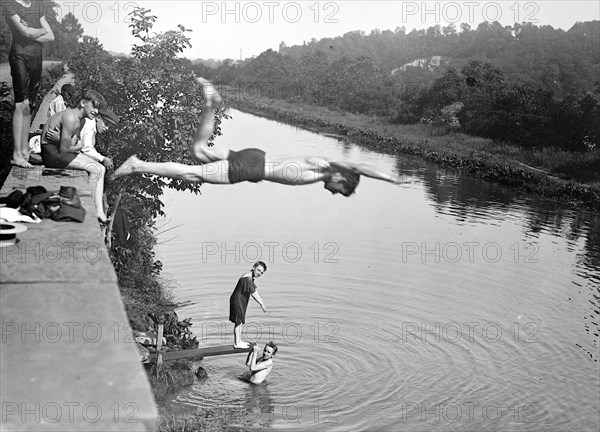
159	104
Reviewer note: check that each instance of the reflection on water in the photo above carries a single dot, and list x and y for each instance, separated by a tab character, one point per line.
447	303
453	194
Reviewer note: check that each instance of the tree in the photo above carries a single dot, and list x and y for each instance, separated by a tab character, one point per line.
69	35
159	102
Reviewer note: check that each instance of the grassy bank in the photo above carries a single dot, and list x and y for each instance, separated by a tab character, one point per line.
565	176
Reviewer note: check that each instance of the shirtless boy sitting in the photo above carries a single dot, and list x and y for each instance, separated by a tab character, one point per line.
60	147
260	367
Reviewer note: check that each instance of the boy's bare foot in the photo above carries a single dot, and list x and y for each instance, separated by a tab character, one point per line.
212	95
128	167
20	162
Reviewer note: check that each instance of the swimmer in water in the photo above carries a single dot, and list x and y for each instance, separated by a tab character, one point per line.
260	367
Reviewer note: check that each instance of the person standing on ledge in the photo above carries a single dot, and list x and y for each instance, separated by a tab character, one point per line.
238	302
29	26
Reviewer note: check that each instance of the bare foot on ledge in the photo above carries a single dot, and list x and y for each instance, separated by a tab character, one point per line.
20	162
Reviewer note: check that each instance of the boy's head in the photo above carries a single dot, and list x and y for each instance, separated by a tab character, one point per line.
95	98
258	269
92	102
270	350
67	91
342	180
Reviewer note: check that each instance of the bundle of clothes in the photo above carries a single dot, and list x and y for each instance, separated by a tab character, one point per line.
37	203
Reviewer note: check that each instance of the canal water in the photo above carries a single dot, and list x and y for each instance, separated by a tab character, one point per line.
444	303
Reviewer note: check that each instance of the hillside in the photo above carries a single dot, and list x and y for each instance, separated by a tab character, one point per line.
567	62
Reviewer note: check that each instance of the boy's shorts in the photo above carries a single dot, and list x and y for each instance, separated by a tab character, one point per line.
26	73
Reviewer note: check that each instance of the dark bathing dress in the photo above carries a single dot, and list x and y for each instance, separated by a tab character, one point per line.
238	302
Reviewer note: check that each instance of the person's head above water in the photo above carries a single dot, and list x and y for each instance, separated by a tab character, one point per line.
270	350
343	180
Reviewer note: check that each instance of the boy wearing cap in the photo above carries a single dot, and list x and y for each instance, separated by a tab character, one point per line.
61	145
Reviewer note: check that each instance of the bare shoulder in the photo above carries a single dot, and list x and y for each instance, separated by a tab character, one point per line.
68	119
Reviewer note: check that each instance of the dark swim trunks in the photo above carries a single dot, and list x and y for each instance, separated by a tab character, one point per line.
26	74
246	165
53	158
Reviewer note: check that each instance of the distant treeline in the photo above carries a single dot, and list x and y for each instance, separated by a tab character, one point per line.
530	85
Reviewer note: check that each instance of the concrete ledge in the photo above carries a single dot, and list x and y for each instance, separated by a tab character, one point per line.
68	361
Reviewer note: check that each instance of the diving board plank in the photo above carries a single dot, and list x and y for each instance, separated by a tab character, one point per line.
199	353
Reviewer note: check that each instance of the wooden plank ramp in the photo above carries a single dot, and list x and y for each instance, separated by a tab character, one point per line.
199	353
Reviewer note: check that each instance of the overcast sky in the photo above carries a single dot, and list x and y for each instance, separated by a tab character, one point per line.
240	29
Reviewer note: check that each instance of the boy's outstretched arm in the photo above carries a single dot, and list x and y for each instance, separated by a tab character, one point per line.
259	300
369	171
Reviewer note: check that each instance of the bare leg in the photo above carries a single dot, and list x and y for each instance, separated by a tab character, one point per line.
21	122
214	172
96	176
237	338
215	166
200	149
